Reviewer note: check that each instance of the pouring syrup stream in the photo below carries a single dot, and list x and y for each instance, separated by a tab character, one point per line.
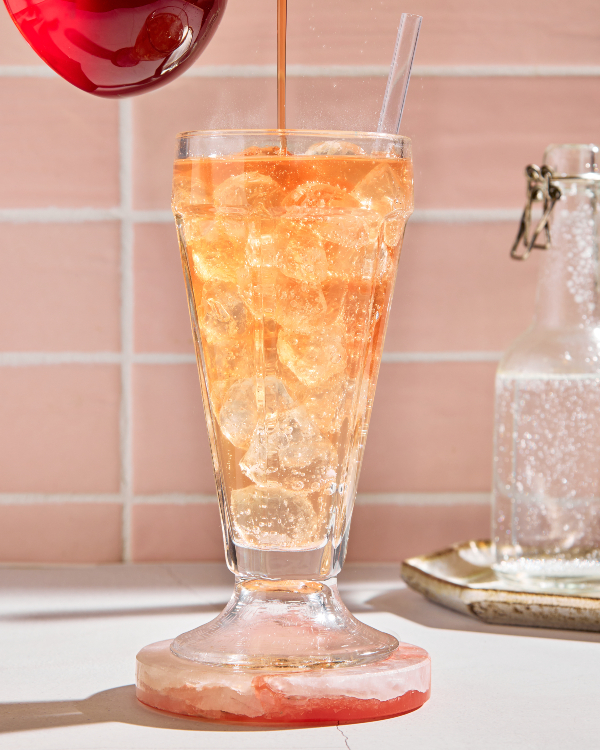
281	54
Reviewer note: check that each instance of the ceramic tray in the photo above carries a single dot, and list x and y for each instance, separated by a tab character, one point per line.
461	578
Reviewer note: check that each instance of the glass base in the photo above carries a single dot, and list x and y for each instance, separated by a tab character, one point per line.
280	625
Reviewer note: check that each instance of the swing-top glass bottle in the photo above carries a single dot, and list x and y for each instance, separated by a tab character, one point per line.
546	490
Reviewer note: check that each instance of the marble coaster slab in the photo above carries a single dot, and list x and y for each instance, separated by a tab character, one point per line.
393	686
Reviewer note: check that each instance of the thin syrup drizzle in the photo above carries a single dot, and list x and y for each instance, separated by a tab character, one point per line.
281	54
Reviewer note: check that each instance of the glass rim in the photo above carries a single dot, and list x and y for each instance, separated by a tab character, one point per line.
346	134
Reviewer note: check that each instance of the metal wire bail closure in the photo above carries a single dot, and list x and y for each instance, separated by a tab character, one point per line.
541	187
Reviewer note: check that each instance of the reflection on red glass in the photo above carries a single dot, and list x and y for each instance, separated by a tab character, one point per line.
117	47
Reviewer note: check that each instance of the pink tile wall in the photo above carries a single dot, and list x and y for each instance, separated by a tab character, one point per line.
103	449
58	147
67	532
488	302
455	32
431	428
161	318
178	531
473	136
384	533
60	428
60	287
170	453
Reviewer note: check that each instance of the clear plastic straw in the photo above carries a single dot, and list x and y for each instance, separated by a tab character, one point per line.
397	85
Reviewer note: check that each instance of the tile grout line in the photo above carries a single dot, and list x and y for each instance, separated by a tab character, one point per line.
464	215
438	357
32	359
34	498
43	359
127	291
363	499
506	71
382	71
53	215
350	71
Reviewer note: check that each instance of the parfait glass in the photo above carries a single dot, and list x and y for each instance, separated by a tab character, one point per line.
289	243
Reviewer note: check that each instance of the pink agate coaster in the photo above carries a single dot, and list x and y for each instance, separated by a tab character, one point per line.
379	690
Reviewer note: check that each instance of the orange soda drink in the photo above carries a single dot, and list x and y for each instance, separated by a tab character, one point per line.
289	249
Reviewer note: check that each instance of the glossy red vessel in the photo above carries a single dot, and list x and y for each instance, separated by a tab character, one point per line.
117	47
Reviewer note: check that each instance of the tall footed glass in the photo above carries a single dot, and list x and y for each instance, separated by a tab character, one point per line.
289	242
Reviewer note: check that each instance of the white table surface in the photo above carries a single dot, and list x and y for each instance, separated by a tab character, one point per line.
69	635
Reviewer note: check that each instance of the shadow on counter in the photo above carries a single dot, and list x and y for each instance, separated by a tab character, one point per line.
115	705
406	603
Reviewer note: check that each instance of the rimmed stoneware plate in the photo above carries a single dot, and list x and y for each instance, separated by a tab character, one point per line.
461	578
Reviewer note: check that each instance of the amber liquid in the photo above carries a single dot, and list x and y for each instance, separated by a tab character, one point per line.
281	61
291	262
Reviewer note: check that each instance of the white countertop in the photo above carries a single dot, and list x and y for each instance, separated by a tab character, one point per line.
69	636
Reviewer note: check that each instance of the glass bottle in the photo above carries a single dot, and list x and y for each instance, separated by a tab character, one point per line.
546	487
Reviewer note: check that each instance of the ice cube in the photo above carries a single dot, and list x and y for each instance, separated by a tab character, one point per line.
250	190
346	229
188	191
301	444
239	413
251	286
382	191
299	306
347	244
328	404
393	232
334	148
228	358
314	357
345	261
182	187
272	296
356	319
227	362
245	402
385	264
291	453
261	250
222	312
216	246
384	277
257	278
320	195
301	253
272	517
335	292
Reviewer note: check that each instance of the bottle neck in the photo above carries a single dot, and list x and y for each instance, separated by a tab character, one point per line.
567	294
